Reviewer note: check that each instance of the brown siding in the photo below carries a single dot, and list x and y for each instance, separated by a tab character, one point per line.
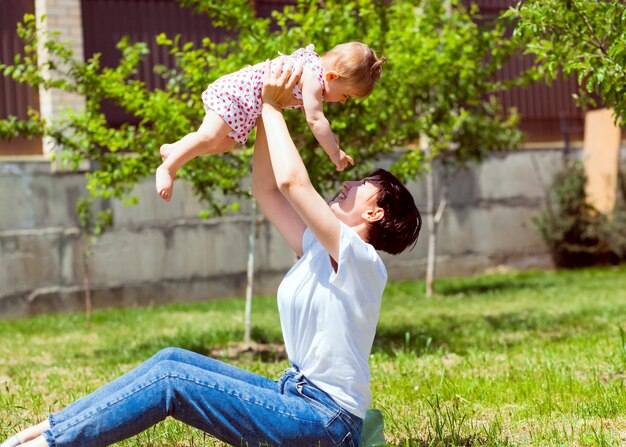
105	22
542	107
546	111
264	8
15	98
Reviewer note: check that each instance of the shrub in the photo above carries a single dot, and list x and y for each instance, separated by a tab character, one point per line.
576	233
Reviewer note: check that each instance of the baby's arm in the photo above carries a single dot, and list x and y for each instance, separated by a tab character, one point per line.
314	112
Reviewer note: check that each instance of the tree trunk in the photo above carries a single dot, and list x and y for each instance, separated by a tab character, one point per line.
250	272
84	257
432	230
433	218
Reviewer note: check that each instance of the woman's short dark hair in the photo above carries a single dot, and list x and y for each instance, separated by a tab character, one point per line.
401	224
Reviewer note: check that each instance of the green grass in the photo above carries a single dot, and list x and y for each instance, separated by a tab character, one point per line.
520	359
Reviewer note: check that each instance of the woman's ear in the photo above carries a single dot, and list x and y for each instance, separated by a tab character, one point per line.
330	75
374	214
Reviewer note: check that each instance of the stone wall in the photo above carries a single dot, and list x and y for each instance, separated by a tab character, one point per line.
158	252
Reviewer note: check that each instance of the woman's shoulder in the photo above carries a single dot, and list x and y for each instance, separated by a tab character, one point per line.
359	262
350	244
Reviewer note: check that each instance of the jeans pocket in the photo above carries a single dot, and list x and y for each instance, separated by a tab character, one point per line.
319	399
339	433
355	425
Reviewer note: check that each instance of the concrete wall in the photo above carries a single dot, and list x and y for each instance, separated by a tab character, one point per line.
160	252
489	219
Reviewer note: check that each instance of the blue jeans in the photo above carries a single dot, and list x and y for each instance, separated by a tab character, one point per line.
234	405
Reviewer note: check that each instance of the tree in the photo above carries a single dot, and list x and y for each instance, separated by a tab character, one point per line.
443	95
581	37
92	224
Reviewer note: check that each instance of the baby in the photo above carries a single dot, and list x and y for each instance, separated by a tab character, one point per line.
233	105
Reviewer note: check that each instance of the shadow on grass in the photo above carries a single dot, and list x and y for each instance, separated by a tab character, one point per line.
470	441
267	346
408	338
488	285
460	333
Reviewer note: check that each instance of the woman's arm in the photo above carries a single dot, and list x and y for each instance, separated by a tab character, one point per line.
271	201
290	175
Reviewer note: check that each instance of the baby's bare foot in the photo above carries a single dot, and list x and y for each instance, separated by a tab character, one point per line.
164	183
165	151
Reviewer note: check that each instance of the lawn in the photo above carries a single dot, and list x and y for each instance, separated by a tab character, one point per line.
519	359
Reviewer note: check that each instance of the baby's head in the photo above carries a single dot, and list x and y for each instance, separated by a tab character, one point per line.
356	65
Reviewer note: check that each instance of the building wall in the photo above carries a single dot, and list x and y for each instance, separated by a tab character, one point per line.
158	252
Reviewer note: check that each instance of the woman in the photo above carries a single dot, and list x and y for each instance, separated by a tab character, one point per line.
328	303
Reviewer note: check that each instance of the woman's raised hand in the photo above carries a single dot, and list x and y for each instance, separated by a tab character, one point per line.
278	82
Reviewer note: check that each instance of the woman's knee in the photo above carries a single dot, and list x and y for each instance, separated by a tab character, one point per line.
169	353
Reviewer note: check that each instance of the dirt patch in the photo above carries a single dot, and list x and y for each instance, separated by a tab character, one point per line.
266	352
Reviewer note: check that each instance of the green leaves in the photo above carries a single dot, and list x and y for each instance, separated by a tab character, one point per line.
30	128
91	221
441	83
578	37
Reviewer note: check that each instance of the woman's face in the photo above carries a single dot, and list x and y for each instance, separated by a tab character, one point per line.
355	199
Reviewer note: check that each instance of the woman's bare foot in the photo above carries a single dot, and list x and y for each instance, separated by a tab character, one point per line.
28	434
37	442
13	441
164	183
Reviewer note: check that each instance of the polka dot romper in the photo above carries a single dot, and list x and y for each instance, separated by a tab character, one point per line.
236	97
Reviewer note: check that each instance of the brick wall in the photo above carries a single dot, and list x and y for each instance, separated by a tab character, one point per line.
64	17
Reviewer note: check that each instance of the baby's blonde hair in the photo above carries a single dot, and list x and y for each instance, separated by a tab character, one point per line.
357	64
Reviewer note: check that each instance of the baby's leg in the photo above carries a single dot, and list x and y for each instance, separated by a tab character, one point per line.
205	140
210	138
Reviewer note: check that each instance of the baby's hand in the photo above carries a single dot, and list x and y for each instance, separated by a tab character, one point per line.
341	160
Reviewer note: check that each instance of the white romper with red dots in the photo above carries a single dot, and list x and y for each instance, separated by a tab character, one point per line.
236	97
